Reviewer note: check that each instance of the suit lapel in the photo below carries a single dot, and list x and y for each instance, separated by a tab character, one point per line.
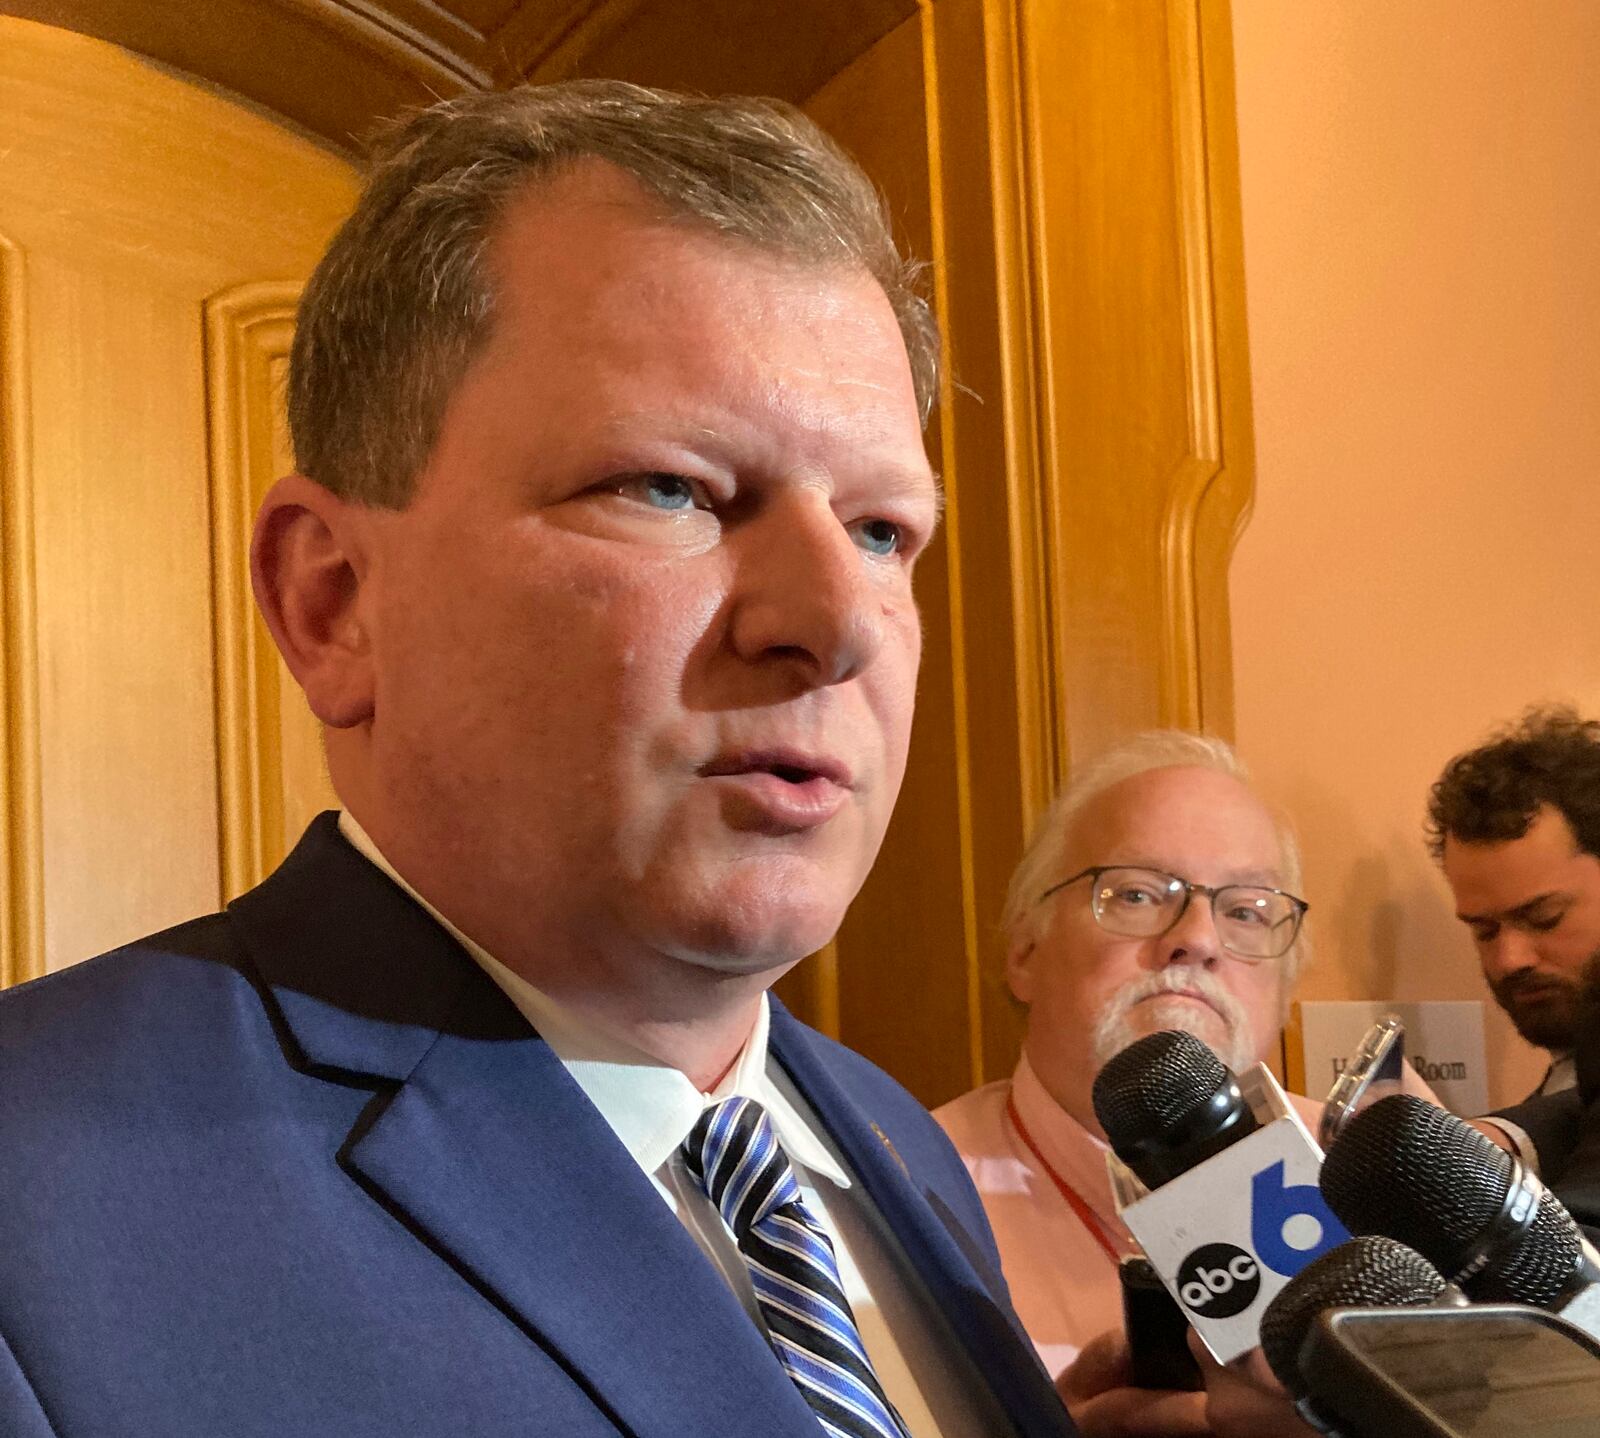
484	1146
985	1330
498	1161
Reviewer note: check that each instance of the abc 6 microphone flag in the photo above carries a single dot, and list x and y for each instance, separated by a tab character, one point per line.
1233	1230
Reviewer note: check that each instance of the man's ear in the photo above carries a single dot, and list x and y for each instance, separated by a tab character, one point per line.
307	562
1019	968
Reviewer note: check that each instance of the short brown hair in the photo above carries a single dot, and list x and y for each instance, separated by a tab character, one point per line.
1491	794
402	299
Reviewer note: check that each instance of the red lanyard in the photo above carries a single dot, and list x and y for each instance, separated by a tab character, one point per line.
1075	1201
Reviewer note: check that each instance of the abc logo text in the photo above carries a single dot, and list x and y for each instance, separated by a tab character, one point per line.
1218	1280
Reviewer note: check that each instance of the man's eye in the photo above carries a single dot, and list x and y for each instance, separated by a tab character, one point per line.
1544	923
1246	914
1482	933
670	492
877	536
1132	896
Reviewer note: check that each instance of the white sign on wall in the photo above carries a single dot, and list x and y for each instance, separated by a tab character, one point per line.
1443	1043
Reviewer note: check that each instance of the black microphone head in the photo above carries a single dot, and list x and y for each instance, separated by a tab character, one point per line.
1369	1272
1166	1102
1418	1174
1154	1084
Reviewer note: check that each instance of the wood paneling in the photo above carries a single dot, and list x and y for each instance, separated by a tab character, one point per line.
1145	391
357	62
990	446
738	46
271	776
906	934
1068	167
134	197
21	879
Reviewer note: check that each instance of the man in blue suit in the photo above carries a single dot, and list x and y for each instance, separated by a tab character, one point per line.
476	1117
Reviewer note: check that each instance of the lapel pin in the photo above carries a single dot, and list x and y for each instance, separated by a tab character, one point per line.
894	1153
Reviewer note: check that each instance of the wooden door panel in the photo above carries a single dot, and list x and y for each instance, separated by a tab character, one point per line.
122	601
132	201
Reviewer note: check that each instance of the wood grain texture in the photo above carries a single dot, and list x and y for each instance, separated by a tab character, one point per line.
901	955
271	779
990	436
1062	173
1145	388
357	63
21	868
135	196
1224	508
1069	169
722	46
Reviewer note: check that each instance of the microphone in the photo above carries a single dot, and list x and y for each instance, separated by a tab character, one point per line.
1217	1180
1372	1343
1167	1103
1367	1272
1420	1175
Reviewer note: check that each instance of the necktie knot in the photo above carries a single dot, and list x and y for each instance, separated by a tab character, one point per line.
735	1154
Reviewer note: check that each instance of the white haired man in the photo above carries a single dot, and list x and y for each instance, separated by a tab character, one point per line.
1158	892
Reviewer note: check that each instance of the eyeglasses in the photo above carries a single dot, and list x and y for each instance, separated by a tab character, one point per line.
1252	922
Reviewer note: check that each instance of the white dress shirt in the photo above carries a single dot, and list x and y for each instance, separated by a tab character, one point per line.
1561	1075
652	1107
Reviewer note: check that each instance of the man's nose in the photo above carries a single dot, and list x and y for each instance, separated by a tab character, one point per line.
1193	939
805	597
1508	952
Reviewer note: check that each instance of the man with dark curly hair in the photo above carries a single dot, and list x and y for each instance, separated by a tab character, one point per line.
1516	825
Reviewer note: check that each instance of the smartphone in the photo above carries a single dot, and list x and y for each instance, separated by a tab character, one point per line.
1158	1331
1483	1371
1373	1072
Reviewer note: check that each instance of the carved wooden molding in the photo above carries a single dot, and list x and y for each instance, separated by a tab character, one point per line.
998	512
248	331
1089	537
21	856
1210	493
338	67
938	186
1143	398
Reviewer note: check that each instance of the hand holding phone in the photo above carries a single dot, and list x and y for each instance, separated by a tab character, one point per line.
1482	1371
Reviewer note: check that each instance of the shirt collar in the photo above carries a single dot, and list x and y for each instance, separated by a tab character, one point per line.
1562	1073
650	1105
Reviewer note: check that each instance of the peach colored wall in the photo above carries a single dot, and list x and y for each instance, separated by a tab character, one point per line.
1421	192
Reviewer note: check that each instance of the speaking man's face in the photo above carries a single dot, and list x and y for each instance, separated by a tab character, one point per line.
1533	906
1091	992
644	641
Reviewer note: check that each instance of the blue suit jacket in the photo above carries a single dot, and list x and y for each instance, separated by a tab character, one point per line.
302	1169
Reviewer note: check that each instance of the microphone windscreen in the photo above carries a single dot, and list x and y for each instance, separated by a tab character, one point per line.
1153	1086
1369	1272
1410	1170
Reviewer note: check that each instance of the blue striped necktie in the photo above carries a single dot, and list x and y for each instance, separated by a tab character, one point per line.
735	1155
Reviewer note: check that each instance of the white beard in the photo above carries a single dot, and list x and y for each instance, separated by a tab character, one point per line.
1114	1029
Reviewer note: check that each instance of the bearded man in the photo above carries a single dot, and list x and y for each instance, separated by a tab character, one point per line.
1158	892
1515	824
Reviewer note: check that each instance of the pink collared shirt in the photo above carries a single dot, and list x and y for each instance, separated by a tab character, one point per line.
1063	1282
